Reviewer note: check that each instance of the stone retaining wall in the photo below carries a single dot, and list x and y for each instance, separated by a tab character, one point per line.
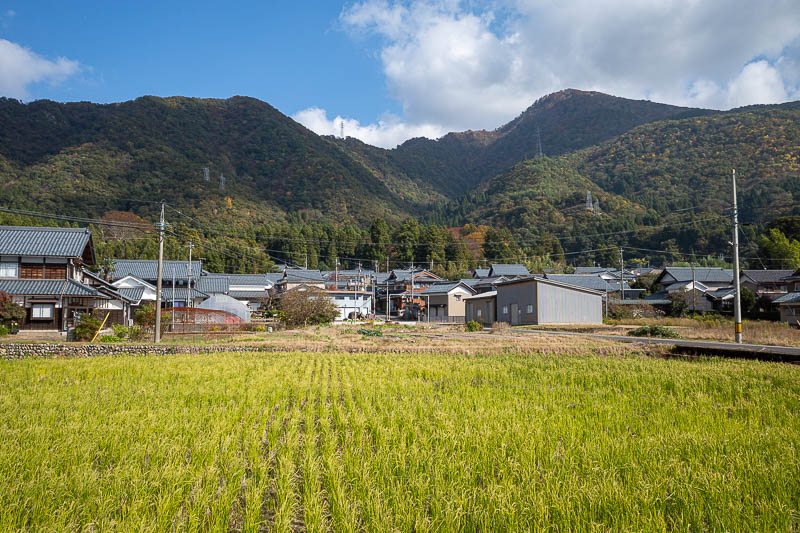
58	350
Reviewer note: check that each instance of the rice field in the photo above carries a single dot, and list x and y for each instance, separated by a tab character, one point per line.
399	442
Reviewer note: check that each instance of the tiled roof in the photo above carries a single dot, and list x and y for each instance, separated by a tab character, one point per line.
298	276
250	279
444	288
481	272
248	295
766	276
46	287
213	284
590	270
50	242
133	294
791	298
703	274
147	269
508	270
181	293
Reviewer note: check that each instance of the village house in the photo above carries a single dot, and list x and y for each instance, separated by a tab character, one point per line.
445	302
789	303
401	292
178	284
43	270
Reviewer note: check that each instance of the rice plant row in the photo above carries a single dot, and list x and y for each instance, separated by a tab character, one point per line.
379	442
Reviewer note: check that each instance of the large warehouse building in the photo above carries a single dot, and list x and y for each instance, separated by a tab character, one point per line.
536	300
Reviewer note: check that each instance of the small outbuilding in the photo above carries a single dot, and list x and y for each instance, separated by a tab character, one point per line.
536	300
481	308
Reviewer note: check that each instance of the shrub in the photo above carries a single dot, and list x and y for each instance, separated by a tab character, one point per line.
3	331
654	331
87	327
121	331
303	308
111	338
9	310
370	332
136	333
474	325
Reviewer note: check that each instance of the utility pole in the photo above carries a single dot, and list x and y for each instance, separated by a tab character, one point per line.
737	297
412	289
621	276
694	290
173	298
161	224
189	286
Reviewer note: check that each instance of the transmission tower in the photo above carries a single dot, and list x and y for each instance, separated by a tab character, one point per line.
221	182
538	142
589	205
596	206
206	174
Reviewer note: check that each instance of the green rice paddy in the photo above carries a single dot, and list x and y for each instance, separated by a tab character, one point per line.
376	442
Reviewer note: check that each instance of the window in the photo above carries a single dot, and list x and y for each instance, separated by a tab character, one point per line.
32	271
9	270
530	308
478	312
505	309
42	311
458	297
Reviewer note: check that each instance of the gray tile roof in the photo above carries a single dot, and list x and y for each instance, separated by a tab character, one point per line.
481	272
134	294
248	295
444	288
147	269
213	284
50	242
702	274
766	276
590	270
508	270
250	279
791	298
47	287
181	293
293	275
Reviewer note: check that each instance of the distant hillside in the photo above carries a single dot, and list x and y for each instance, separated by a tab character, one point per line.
564	121
84	157
670	172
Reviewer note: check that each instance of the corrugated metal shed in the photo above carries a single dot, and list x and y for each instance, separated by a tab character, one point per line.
47	287
49	242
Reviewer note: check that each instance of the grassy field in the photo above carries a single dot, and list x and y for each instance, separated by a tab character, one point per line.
383	442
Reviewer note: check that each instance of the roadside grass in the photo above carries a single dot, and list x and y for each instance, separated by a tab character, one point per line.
715	329
377	442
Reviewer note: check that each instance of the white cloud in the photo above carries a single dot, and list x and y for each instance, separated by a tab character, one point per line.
386	133
21	67
758	82
472	64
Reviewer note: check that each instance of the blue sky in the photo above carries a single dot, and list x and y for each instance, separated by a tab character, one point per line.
291	54
393	69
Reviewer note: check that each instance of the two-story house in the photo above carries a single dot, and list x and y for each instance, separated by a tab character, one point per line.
42	269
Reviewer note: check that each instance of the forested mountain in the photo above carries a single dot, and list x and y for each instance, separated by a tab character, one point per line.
87	156
661	175
560	122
